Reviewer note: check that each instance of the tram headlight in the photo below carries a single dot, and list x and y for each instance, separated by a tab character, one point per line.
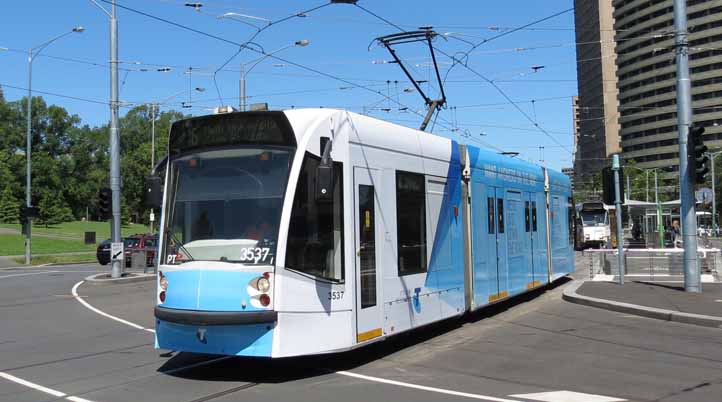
263	284
163	281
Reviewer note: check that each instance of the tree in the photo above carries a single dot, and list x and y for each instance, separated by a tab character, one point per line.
9	206
53	209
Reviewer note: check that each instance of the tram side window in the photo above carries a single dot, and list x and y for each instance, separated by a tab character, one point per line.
533	216
490	213
500	212
527	223
315	233
411	222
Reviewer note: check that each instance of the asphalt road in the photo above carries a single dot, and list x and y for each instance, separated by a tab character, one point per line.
53	348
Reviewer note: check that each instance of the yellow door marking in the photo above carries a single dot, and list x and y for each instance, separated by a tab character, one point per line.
498	296
532	285
365	336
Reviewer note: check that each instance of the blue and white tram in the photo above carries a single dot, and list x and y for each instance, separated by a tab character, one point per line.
314	231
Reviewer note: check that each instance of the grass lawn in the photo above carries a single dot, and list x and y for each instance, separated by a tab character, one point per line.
15	245
59	259
77	229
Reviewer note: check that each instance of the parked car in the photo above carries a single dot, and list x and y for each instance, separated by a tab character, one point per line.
102	253
141	242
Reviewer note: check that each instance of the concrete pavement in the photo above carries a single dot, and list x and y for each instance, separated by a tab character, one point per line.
511	352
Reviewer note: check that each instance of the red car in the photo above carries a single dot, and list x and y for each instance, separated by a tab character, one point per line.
141	242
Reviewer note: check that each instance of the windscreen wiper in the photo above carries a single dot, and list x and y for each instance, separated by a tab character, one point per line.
181	247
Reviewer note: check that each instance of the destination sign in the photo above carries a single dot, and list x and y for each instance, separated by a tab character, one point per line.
246	128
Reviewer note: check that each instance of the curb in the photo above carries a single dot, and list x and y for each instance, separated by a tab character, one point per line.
570	294
55	264
102	279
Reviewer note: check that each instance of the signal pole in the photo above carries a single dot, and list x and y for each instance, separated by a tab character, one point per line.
687	212
618	212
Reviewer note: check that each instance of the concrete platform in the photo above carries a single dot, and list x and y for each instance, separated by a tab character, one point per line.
664	301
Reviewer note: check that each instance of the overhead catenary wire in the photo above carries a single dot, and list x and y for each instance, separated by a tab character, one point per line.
490	82
255	35
283	60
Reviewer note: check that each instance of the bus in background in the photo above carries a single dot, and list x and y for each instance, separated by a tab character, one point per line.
594	219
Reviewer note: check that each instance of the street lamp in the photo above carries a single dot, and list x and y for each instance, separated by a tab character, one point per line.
244	72
32	53
712	155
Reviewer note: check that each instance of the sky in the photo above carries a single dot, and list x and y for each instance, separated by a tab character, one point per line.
512	93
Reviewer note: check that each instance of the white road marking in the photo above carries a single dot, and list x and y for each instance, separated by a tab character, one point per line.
40	388
425	388
74	291
344	373
76	399
567	396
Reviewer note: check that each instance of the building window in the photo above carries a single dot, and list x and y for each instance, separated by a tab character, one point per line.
315	233
411	222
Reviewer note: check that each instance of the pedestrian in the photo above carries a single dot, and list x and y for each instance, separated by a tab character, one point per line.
676	234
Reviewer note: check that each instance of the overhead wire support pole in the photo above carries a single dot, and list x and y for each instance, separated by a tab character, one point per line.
618	214
692	275
114	134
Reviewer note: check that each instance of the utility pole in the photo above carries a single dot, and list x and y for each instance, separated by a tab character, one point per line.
660	226
714	199
116	269
28	150
618	212
687	212
152	136
242	88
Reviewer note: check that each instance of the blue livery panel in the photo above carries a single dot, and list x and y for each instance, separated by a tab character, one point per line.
446	266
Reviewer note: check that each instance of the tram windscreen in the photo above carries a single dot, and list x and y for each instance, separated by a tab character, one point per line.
594	218
225	205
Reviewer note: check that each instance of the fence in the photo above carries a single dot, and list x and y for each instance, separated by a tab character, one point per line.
655	264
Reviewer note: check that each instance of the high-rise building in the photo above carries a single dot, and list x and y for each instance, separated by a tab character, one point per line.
596	112
646	72
569	172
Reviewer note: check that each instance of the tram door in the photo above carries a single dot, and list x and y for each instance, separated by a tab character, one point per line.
501	243
367	233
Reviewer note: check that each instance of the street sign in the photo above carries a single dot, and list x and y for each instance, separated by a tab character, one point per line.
152	216
116	251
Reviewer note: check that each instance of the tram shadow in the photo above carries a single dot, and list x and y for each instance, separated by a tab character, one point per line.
272	371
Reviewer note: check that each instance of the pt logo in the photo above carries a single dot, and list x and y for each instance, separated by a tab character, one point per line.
201	335
416	300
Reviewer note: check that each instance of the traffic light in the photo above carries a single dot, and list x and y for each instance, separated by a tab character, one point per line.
26	213
608	194
105	196
697	153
